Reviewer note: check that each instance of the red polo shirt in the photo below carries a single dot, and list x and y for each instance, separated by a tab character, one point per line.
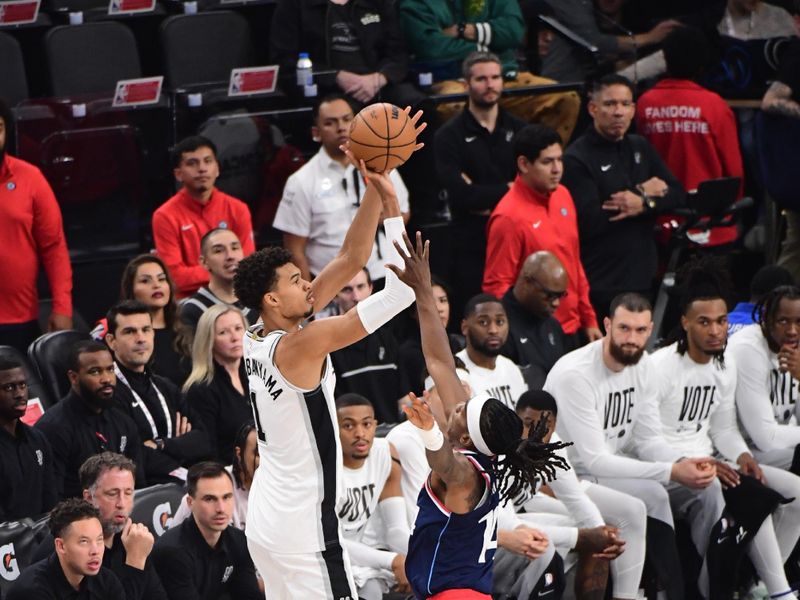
524	222
180	223
31	231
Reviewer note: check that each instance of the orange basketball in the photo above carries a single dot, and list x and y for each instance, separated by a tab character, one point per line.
382	136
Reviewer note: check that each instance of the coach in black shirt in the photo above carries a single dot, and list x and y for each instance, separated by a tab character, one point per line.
74	571
535	338
26	460
618	183
205	556
84	422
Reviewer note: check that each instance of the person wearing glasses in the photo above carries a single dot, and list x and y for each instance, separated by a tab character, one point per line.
535	338
485	327
537	213
26	460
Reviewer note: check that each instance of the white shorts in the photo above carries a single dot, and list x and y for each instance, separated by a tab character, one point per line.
315	576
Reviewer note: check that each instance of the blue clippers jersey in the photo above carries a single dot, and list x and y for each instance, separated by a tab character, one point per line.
451	551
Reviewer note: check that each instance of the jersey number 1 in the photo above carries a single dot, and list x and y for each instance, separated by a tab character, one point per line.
489	534
259	431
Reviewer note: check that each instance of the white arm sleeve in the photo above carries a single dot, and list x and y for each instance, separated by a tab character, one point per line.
366	556
568	490
753	402
379	308
579	422
393	513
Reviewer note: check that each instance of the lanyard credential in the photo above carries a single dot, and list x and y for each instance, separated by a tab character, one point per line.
139	403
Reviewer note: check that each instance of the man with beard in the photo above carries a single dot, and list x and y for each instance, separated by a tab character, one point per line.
33	237
768	360
26	460
85	422
107	480
475	167
696	382
485	327
606	404
220	253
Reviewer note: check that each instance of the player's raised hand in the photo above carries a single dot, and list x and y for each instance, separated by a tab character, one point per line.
419	412
417	271
418	127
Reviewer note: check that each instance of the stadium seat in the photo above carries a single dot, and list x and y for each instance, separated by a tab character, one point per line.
13	82
17	542
50	354
36	389
155	505
90	58
203	48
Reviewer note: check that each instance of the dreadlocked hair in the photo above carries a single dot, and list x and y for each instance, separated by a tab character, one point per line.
766	309
521	461
702	278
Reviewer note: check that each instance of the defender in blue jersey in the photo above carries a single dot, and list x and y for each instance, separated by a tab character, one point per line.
483	460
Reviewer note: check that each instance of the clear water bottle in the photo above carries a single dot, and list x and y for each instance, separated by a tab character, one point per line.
304	76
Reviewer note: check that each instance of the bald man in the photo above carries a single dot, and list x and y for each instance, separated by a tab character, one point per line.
535	338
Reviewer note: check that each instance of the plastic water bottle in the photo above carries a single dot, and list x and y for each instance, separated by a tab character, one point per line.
304	75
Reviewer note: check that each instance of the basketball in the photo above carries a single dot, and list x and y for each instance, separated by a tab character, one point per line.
382	136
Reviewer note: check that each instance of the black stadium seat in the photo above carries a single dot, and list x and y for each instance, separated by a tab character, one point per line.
155	505
50	354
90	58
13	82
203	48
36	389
17	542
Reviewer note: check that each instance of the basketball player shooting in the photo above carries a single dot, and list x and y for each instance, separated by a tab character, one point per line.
483	460
292	526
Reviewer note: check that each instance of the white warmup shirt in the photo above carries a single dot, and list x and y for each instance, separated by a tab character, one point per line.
504	382
363	488
611	417
696	404
319	202
766	399
292	504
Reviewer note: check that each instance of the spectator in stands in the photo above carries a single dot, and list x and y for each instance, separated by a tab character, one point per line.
162	417
371	366
205	557
538	213
692	128
535	338
768	376
321	198
108	480
373	514
33	236
362	42
782	99
568	61
755	19
245	463
220	253
606	405
766	279
485	327
86	421
442	34
411	358
217	390
197	208
619	184
26	459
75	569
475	167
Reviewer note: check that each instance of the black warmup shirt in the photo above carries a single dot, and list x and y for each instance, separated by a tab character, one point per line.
168	362
26	471
222	410
45	580
343	43
191	570
75	433
193	307
179	451
619	255
138	584
533	343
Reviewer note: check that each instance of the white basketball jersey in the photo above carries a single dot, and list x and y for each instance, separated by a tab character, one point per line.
292	506
363	488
